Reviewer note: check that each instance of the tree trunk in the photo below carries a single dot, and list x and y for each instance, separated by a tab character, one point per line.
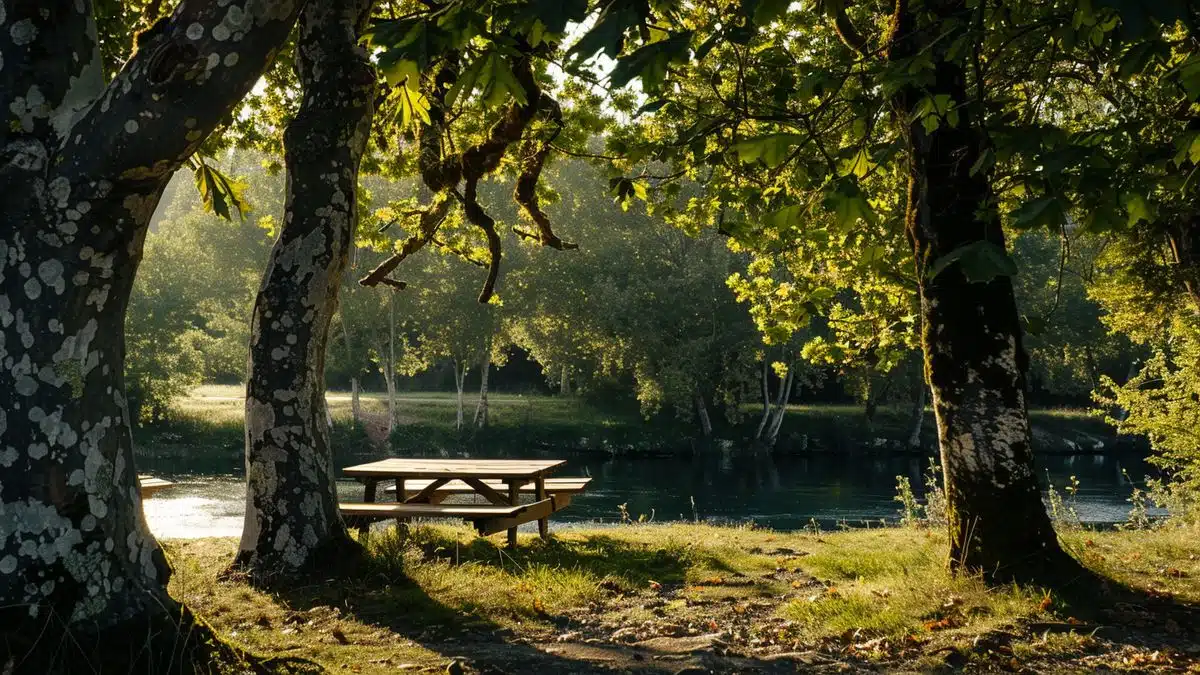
871	405
564	383
389	371
481	410
292	523
916	418
766	392
355	402
81	183
785	395
702	415
460	374
971	332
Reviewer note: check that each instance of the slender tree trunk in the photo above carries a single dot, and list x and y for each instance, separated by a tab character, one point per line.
460	374
916	418
971	332
292	523
871	405
785	395
564	383
80	573
766	393
481	410
389	372
355	402
702	415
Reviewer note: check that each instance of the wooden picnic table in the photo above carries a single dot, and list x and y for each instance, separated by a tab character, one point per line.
434	474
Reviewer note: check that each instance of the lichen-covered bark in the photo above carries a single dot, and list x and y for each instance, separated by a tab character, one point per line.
971	331
292	521
82	166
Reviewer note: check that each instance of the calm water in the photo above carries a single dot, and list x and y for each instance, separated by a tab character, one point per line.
779	492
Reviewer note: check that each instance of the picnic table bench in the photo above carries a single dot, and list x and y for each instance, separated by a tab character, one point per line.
148	485
421	485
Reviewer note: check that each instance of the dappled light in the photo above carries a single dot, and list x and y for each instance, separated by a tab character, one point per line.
572	336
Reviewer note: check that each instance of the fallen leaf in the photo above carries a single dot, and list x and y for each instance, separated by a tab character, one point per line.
655	586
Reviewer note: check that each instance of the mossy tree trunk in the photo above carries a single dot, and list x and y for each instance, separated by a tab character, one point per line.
292	524
83	165
971	332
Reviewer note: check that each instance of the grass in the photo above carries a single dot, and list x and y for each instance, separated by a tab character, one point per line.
212	417
879	595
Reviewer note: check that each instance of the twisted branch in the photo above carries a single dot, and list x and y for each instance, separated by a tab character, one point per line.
442	171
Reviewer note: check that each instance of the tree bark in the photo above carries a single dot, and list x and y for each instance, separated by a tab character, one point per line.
81	182
971	333
702	415
292	523
481	410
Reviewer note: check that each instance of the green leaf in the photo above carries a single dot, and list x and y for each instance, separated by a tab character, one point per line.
772	149
497	82
219	195
980	261
608	33
650	62
848	204
414	109
1137	208
1046	212
859	164
652	106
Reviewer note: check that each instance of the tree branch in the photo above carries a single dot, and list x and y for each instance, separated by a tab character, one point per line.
176	89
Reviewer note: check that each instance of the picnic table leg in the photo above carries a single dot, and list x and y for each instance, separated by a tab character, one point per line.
514	498
539	485
369	487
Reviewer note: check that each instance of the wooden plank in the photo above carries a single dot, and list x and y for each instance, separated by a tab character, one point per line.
458	487
531	512
424	494
395	510
489	493
454	468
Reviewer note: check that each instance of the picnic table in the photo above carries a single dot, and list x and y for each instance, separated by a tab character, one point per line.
151	484
422	484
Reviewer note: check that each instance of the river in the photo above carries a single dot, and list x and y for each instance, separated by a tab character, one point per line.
779	492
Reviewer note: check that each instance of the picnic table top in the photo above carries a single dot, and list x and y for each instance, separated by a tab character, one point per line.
405	467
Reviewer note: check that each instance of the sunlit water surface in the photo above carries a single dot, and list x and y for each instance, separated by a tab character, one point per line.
778	492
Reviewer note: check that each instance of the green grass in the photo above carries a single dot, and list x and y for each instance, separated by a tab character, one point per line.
211	417
764	592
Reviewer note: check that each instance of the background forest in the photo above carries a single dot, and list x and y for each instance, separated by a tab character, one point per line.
642	316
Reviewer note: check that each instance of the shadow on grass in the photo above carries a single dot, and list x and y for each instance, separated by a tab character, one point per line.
1125	615
475	629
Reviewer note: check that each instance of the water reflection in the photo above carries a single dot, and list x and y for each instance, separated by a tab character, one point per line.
779	492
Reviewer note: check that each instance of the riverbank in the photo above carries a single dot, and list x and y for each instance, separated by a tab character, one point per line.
669	598
212	418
